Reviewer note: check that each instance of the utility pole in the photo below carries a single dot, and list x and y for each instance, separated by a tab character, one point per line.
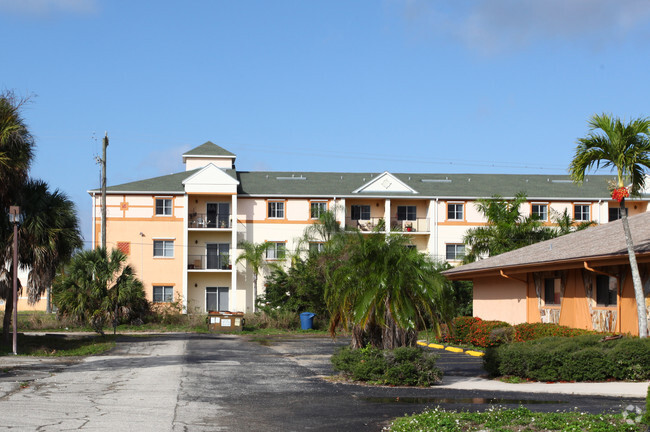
105	144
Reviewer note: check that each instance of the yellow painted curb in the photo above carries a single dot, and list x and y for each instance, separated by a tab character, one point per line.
438	346
454	349
475	353
422	343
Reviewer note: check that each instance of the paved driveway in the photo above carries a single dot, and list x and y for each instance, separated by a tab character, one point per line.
224	382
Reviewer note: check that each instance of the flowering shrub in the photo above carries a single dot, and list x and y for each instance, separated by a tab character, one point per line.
480	333
532	331
460	329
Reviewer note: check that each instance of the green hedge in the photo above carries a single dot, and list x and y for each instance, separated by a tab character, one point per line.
401	366
579	358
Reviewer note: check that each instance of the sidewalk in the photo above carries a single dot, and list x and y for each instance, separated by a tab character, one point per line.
464	371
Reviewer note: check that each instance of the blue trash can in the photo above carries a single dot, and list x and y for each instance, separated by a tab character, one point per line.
307	320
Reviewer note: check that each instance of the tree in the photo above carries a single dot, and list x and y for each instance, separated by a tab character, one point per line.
48	236
16	148
98	287
507	229
610	143
384	289
254	255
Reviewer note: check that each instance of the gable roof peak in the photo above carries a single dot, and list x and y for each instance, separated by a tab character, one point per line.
209	149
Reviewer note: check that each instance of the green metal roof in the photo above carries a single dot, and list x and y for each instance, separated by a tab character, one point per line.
209	149
333	184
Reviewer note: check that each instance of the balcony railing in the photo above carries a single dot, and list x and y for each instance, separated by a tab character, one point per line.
208	262
201	220
417	225
367	225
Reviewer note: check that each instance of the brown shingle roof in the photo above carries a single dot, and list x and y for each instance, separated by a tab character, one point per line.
602	241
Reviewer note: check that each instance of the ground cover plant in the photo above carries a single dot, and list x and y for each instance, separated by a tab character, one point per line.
60	345
520	419
405	366
580	358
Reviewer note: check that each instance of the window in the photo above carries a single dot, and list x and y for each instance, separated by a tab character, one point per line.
455	252
163	206
606	288
406	213
540	211
316	247
552	291
455	211
360	212
163	248
317	209
216	299
163	294
276	210
277	251
581	212
614	214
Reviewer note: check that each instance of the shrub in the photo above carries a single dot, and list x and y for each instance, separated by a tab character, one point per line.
646	416
531	331
401	366
480	333
460	328
580	358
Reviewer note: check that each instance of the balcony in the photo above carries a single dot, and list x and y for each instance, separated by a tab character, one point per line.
410	226
208	262
209	221
366	225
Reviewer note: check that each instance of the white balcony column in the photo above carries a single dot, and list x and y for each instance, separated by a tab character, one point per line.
432	222
186	202
233	255
387	215
339	208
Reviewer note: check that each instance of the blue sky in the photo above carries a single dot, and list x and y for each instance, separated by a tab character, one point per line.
479	86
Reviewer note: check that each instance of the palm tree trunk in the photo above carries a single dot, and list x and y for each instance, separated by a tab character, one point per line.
636	277
9	310
254	291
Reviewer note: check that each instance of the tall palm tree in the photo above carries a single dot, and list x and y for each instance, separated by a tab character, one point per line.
48	236
625	148
384	290
254	254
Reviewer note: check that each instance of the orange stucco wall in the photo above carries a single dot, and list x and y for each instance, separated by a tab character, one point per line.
498	298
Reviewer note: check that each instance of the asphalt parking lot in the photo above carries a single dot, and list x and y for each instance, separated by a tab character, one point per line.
246	383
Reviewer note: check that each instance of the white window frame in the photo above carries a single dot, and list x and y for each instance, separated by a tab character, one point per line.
586	206
462	211
275	209
456	255
319	206
275	250
410	212
167	293
167	248
216	292
361	208
167	210
537	213
316	247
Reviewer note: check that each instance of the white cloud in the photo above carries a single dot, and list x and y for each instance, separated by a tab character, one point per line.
47	7
495	26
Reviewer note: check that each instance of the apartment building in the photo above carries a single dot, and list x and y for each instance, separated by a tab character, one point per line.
181	231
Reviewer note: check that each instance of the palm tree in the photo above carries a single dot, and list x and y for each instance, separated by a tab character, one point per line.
49	235
96	285
613	144
254	255
384	290
507	229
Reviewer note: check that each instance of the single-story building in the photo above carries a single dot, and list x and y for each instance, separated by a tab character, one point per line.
580	280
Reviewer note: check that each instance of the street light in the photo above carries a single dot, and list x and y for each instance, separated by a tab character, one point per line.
14	218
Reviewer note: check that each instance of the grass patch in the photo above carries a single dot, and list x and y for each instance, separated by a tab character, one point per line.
515	420
60	345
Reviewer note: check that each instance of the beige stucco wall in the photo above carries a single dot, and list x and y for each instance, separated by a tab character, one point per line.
498	298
